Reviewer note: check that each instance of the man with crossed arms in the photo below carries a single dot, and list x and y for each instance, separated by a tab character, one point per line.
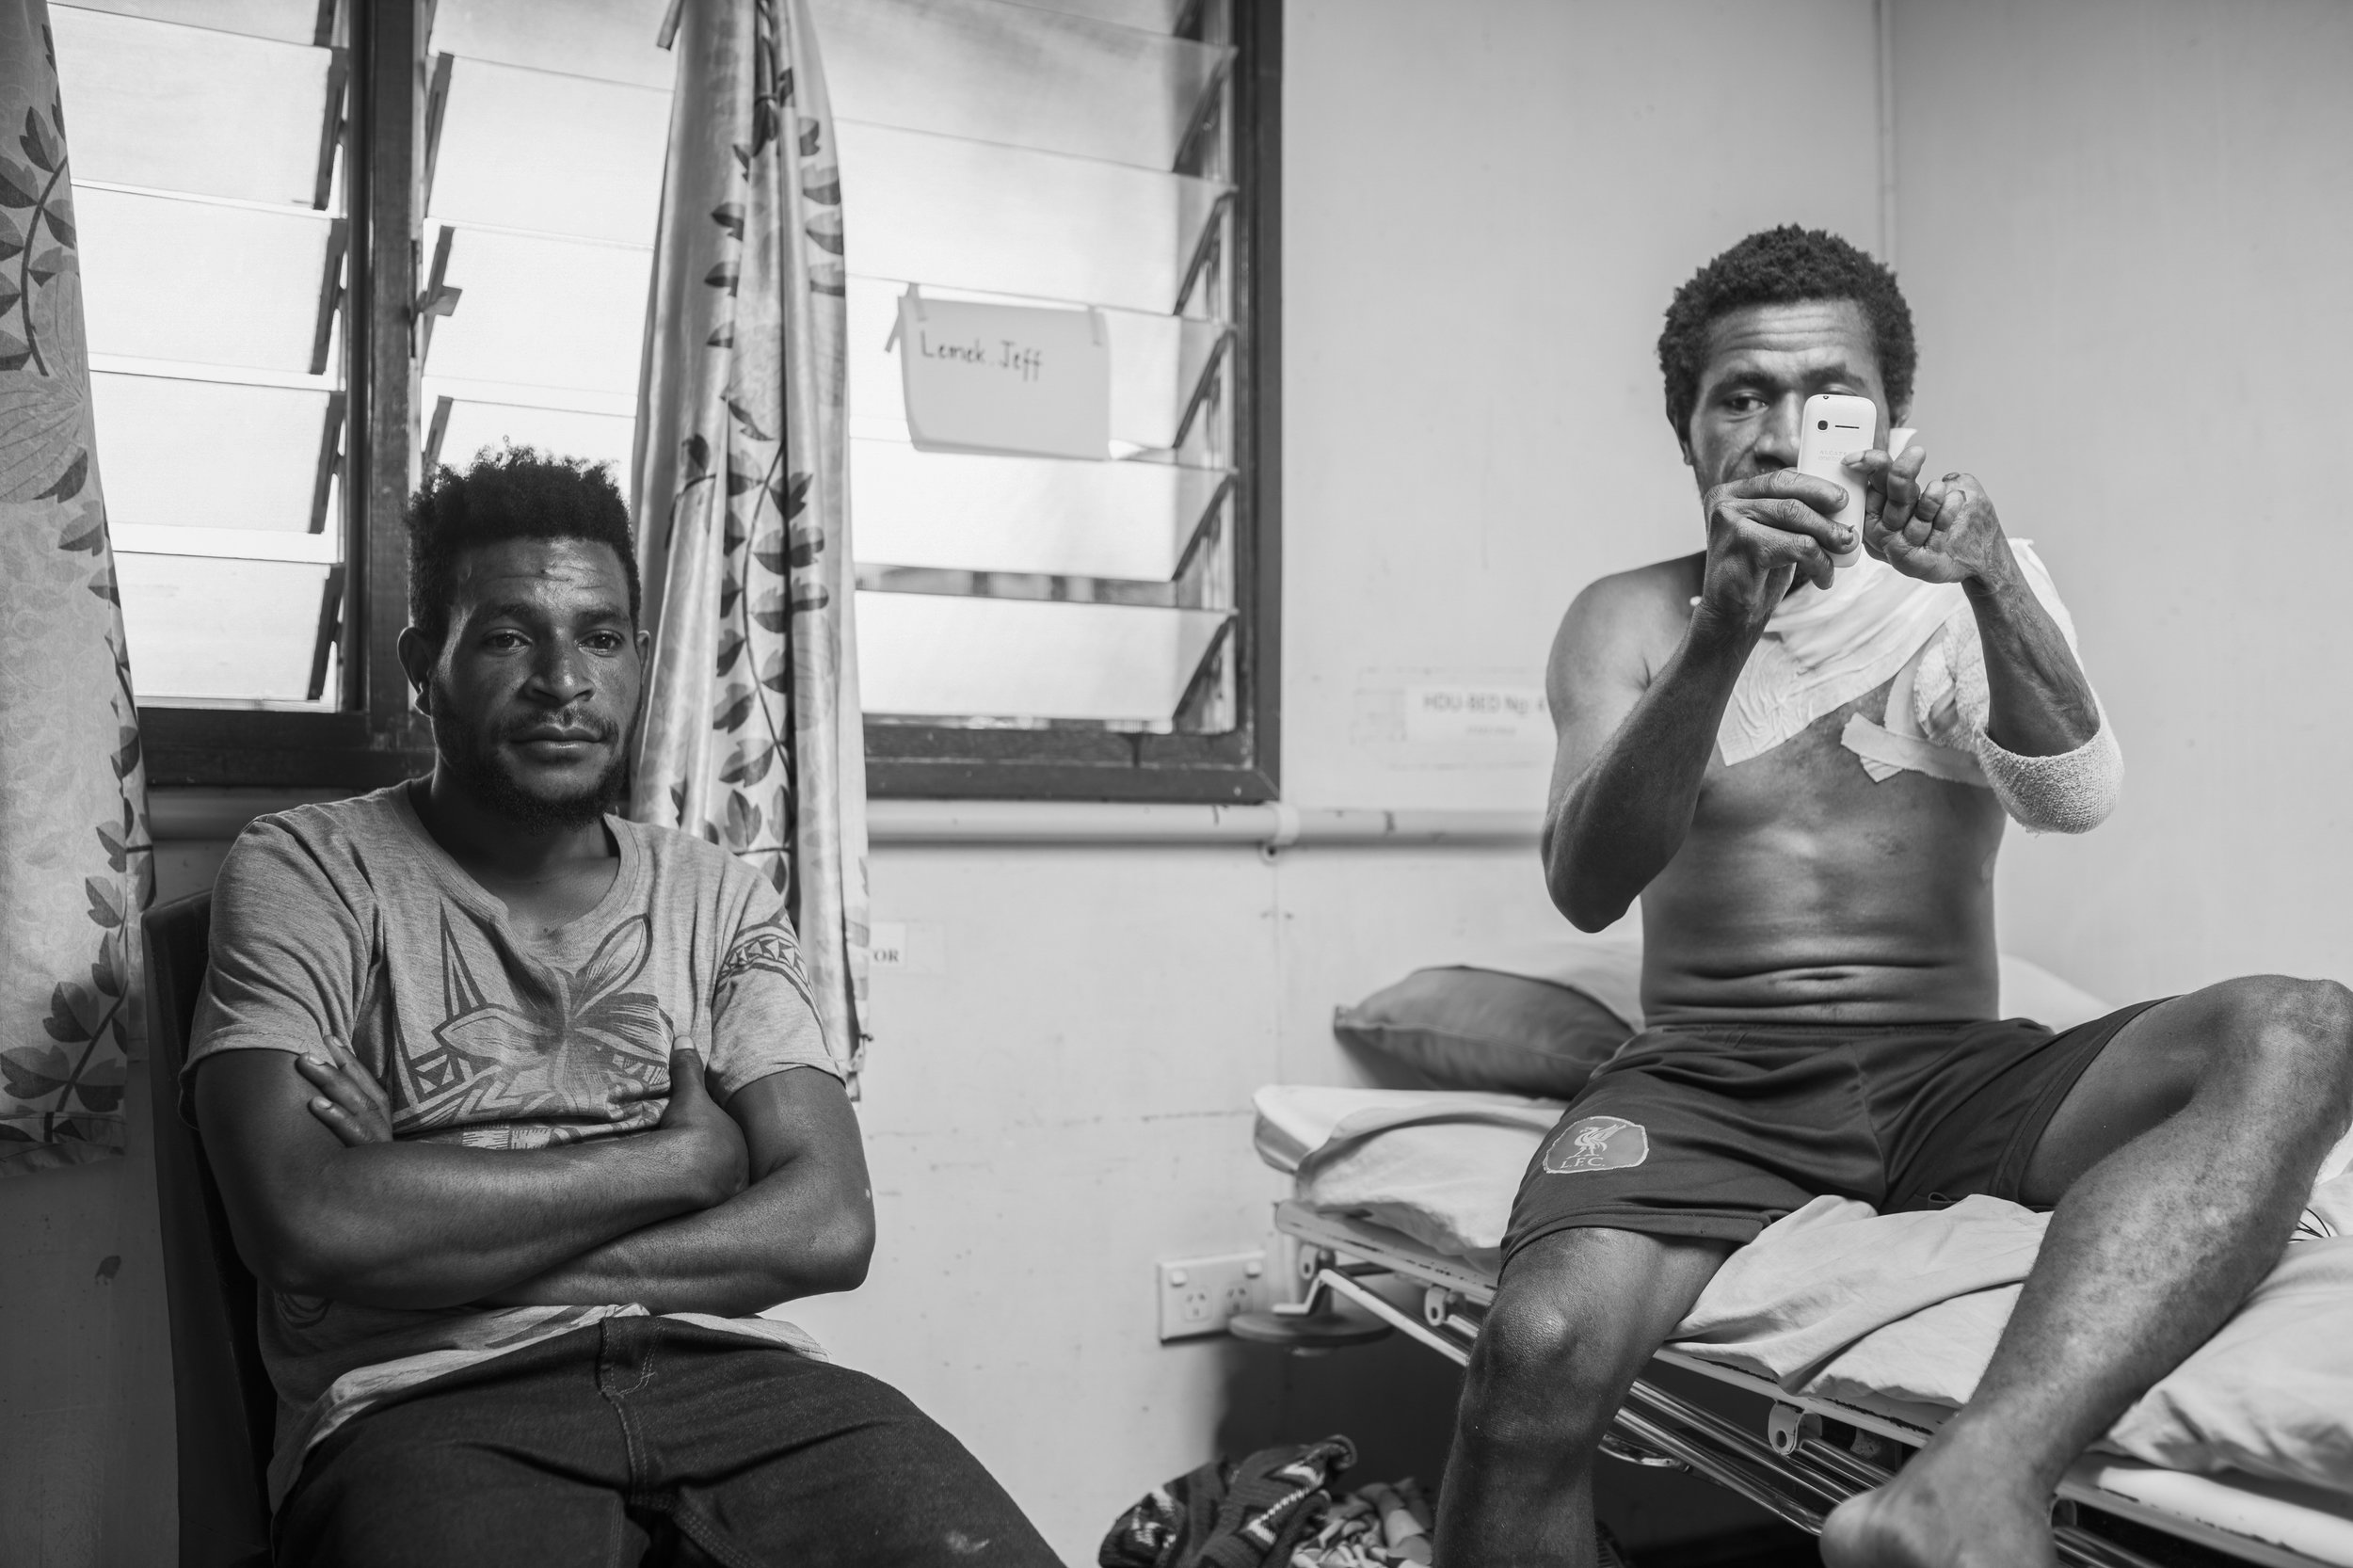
522	1116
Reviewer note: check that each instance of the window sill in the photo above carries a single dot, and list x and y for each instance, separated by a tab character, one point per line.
233	750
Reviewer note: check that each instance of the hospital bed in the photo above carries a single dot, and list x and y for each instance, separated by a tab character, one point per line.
1812	1452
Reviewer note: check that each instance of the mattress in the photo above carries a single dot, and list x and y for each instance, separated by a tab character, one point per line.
1838	1301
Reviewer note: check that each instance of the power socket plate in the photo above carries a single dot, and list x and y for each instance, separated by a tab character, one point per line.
1200	1295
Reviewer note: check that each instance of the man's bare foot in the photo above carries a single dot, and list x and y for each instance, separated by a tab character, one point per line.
1927	1518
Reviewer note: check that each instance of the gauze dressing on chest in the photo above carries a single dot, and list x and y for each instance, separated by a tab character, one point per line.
1823	650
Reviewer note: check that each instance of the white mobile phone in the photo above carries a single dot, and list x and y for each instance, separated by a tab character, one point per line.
1834	427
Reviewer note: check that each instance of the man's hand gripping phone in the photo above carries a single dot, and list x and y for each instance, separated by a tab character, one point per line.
1765	533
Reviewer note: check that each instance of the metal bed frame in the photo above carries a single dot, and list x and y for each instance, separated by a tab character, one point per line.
1816	1452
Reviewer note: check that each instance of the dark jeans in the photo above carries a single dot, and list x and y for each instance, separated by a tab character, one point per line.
642	1440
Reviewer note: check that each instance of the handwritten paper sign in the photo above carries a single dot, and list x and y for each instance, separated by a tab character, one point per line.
1478	713
1021	380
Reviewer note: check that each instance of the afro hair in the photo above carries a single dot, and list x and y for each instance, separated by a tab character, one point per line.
1781	267
513	493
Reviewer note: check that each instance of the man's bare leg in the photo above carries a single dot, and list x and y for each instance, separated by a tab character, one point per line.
2185	1153
1577	1315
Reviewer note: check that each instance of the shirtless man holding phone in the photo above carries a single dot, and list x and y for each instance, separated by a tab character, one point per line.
1804	771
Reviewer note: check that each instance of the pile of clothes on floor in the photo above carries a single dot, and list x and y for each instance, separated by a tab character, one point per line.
1370	1528
1280	1508
1276	1508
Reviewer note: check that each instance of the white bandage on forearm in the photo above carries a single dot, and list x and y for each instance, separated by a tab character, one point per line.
2072	793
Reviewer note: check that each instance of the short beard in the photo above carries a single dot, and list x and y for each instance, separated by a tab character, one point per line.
466	751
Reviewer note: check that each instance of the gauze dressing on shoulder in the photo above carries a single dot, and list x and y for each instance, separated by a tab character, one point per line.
1824	648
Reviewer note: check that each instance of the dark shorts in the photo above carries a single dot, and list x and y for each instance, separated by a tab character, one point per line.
645	1441
1715	1131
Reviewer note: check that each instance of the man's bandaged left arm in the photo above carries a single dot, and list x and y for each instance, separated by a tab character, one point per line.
2070	792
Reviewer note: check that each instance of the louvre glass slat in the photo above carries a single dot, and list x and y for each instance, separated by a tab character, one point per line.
189	109
1158	16
1008	220
1025	514
1002	72
287	21
168	279
1156	362
208	453
562	154
470	426
612	40
246	544
923	654
219	628
547	312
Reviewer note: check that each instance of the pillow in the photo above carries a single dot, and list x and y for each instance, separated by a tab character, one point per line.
1607	967
1476	1029
1494	1025
2031	991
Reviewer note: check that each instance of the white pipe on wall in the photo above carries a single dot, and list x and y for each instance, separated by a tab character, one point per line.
184	815
1275	826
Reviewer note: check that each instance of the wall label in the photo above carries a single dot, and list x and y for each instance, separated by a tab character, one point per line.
1436	713
910	947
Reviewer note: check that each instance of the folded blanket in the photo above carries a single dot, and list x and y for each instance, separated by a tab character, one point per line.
1817	1281
1839	1301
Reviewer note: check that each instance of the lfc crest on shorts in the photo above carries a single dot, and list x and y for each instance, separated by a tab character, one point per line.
1598	1144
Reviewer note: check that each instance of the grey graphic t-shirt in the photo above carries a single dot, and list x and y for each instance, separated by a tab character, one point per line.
347	921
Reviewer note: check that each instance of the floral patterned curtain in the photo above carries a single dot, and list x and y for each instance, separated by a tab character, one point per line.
752	735
74	862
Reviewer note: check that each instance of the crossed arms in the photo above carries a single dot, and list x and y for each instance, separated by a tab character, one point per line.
725	1210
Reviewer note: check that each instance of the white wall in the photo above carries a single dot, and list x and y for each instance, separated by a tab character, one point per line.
1067	1101
2125	227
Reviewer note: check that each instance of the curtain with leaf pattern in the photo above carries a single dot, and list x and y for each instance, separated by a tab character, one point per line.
753	736
75	860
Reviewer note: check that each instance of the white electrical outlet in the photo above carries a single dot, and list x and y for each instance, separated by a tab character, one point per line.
1200	1295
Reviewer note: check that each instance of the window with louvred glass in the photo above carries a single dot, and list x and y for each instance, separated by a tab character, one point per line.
328	242
1052	625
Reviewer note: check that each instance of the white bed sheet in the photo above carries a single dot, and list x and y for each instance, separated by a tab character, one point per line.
1838	1301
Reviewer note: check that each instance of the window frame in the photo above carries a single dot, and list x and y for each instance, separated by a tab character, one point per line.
377	737
1074	762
